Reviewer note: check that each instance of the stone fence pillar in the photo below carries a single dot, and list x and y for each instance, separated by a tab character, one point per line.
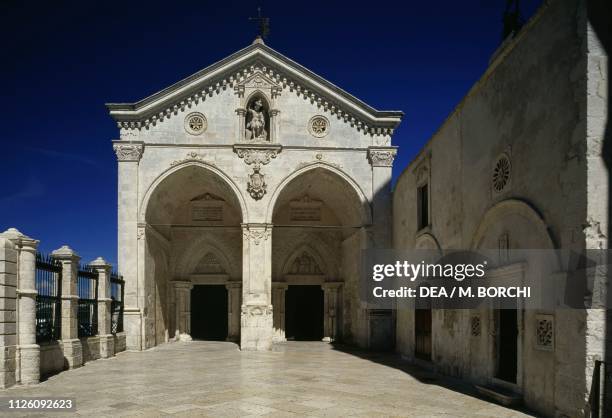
8	310
107	341
28	352
73	351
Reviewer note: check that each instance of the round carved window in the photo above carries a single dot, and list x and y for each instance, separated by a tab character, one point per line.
195	123
318	126
501	174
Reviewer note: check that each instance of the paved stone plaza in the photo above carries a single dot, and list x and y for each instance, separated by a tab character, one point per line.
215	379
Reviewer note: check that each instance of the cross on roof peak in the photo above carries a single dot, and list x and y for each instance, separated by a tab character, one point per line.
264	26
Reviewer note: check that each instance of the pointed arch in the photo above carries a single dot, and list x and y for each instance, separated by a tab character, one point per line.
237	194
364	208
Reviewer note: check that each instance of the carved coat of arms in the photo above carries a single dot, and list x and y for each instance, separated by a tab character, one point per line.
256	185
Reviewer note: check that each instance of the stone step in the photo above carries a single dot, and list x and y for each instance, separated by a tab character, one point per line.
500	395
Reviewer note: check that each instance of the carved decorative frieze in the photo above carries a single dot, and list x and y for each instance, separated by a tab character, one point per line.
276	81
129	151
256	310
191	156
545	332
257	156
381	157
256	234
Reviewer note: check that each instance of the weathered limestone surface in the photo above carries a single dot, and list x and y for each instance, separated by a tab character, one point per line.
209	169
541	105
70	343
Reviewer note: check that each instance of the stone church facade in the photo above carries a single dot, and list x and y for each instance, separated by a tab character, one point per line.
260	181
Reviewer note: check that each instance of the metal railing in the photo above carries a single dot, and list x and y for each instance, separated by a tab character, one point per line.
117	292
49	299
87	290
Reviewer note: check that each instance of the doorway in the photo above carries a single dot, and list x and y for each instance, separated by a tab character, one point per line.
507	345
304	313
209	312
422	334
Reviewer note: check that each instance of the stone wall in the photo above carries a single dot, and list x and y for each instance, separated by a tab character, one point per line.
23	359
540	106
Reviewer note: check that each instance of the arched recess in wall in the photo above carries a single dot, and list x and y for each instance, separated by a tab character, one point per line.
427	241
525	227
229	258
184	170
312	179
325	254
296	256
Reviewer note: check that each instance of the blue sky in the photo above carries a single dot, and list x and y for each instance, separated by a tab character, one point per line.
64	59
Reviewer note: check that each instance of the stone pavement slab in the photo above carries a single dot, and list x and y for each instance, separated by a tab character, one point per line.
203	378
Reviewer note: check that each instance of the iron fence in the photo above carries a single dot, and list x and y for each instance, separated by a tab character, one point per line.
87	290
49	299
117	289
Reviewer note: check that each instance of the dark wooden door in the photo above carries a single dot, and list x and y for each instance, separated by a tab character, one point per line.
304	313
507	347
422	333
209	312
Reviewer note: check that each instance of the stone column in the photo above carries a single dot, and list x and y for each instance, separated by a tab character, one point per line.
381	159
107	341
128	157
182	299
233	310
73	351
8	309
331	310
278	304
256	311
274	125
241	112
28	352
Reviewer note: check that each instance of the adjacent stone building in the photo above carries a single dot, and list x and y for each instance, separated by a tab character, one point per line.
246	193
516	165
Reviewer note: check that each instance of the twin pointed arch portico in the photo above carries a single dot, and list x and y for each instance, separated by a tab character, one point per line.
231	188
365	207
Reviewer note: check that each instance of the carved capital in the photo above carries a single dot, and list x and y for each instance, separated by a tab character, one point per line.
239	90
254	155
256	233
128	151
381	157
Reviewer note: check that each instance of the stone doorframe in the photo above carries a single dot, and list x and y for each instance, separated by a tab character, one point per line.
182	289
332	305
514	273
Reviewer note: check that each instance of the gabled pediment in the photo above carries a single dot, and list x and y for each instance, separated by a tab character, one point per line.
253	66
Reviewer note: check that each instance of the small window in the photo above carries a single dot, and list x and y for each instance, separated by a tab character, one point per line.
423	206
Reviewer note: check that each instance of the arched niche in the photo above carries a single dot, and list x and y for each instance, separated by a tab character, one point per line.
257	125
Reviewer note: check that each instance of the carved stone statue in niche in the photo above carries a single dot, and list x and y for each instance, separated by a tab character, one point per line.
257	120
